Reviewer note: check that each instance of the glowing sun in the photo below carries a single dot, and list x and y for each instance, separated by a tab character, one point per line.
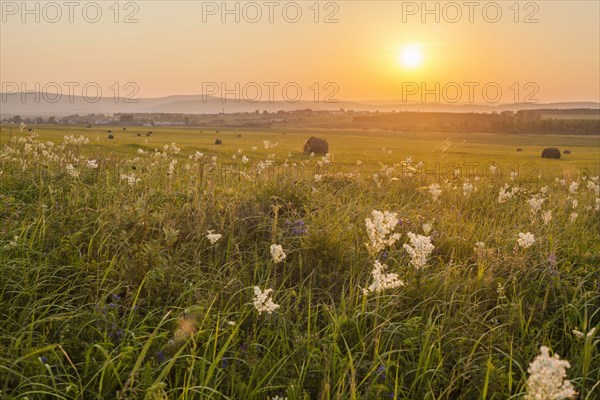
411	56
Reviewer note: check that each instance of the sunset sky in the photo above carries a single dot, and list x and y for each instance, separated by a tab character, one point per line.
171	50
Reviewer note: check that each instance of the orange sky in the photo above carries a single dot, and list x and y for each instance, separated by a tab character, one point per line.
176	46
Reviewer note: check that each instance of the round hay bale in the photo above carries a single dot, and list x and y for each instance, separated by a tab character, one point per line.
239	135
218	141
111	137
316	145
551	152
124	129
567	152
139	134
109	131
89	126
519	149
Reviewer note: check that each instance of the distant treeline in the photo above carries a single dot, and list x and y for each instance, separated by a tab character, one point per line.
506	122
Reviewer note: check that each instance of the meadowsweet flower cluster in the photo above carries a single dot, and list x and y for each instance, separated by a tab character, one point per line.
419	249
435	191
535	203
262	301
277	253
382	280
213	237
581	335
92	164
506	193
379	230
525	240
131	179
546	216
72	140
547	378
467	189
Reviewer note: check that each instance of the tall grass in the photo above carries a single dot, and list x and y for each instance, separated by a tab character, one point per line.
111	290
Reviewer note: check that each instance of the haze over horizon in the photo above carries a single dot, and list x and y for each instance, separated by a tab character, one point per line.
355	51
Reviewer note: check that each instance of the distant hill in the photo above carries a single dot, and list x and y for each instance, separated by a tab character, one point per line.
12	104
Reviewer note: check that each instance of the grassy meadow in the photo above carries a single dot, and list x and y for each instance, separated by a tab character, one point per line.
115	283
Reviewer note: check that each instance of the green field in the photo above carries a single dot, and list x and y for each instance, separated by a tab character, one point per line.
111	287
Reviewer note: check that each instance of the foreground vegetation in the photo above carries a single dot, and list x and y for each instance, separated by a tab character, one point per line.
130	267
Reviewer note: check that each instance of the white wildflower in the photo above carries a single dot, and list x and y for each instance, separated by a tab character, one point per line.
171	168
213	237
547	378
245	159
379	230
525	240
263	302
573	216
578	335
546	216
594	186
513	175
435	191
318	177
535	203
93	164
419	249
574	203
131	179
72	171
467	189
382	280
573	187
427	227
277	253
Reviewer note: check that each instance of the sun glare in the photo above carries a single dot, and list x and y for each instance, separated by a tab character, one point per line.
411	56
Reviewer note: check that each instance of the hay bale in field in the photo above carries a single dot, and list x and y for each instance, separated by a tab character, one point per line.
551	152
218	141
88	126
108	131
316	145
519	149
139	134
567	152
124	129
239	135
111	137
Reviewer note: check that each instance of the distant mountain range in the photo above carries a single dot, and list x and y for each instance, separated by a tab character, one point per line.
12	104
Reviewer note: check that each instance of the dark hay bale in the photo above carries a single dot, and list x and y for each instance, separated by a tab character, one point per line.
108	131
111	137
316	145
217	131
239	135
551	152
519	149
218	141
148	134
139	134
567	152
89	126
124	129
